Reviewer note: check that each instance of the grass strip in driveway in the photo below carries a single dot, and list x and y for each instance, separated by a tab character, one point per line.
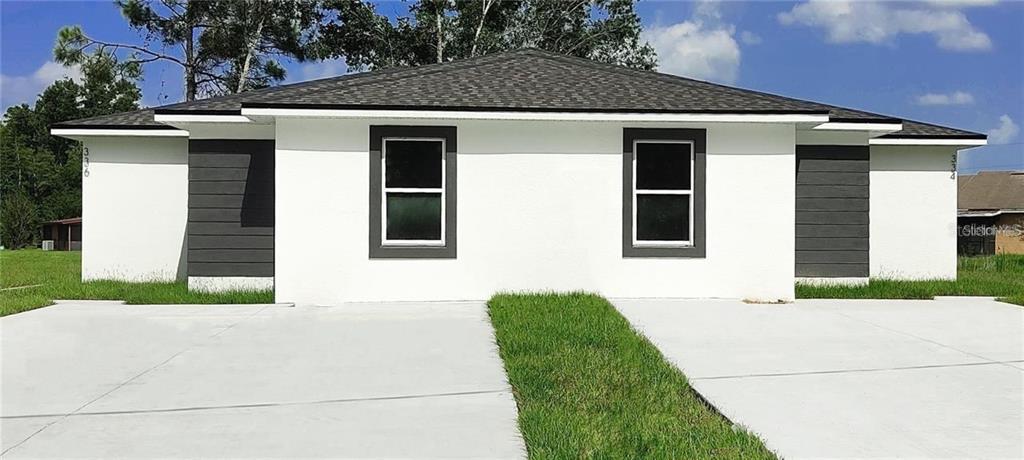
42	276
999	276
588	386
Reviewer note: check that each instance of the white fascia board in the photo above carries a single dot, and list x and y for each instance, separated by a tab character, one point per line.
917	141
535	116
178	118
844	126
989	213
75	133
978	214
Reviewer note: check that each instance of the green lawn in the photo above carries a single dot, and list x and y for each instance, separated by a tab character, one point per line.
57	275
998	276
588	386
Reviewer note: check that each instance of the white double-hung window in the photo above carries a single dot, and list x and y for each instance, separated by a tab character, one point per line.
663	193
413	209
413	192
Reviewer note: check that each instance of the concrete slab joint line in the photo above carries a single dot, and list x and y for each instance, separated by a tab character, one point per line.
122	384
853	379
253	405
408	380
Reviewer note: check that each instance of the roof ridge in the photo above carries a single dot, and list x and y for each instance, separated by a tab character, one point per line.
300	84
392	74
673	77
720	86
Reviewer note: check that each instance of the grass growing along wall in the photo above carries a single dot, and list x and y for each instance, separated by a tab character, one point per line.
1000	276
39	277
588	386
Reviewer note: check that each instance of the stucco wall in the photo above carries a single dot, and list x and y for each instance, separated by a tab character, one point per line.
1010	237
134	208
539	208
913	212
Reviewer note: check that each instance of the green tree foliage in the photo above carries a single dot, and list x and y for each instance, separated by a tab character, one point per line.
445	30
222	46
18	221
45	170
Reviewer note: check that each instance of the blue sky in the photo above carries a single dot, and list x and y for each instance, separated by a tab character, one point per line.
958	63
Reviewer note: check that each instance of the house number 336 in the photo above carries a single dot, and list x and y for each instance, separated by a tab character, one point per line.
85	162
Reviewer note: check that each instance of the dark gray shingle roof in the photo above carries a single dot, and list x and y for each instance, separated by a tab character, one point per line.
917	129
525	80
138	119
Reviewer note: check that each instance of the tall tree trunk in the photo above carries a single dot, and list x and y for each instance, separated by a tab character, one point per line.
190	66
440	35
480	27
250	48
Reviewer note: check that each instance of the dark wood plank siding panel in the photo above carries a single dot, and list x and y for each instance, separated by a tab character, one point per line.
827	256
832	211
831	191
231	208
831	243
232	255
832	204
832	178
832	165
200	200
231	241
226	229
804	216
830	231
261	269
218	174
832	270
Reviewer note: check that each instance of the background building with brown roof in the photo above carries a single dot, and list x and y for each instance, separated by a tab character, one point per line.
990	210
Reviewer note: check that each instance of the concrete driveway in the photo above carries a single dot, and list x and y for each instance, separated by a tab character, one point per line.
384	380
854	378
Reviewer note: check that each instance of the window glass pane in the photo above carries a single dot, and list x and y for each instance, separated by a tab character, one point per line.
413	216
412	164
662	166
663	217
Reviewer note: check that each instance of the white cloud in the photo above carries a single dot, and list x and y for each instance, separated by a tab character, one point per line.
702	47
954	98
750	38
693	49
961	3
874	22
1005	132
707	9
322	69
26	88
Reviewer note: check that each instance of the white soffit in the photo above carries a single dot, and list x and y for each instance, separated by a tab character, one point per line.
179	118
875	127
919	141
78	132
535	116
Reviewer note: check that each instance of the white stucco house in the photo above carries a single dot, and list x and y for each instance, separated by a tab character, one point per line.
515	171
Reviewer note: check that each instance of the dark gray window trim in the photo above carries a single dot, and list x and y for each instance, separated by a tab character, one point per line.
377	249
699	139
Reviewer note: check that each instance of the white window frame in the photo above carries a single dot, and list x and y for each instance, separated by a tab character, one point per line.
693	163
384	190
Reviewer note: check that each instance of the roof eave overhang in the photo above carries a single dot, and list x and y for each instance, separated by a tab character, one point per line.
86	131
264	111
954	141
